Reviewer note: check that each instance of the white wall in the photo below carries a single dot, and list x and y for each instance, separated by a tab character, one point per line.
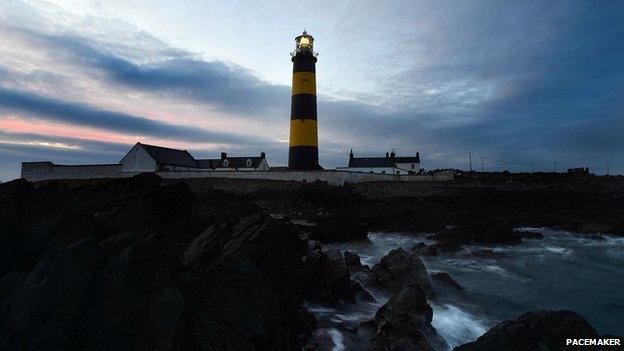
138	160
37	171
408	166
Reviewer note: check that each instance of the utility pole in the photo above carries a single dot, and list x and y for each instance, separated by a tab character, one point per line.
470	156
482	163
607	169
555	166
532	167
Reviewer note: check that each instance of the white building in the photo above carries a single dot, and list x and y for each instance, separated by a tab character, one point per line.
391	164
150	158
225	163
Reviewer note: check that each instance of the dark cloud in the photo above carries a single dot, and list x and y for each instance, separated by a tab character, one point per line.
224	85
35	106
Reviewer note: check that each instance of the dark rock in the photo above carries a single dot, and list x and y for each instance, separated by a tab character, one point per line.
446	279
332	279
430	250
418	246
47	309
162	322
485	232
366	277
546	330
484	254
8	283
360	293
529	235
399	269
250	295
352	259
339	227
404	322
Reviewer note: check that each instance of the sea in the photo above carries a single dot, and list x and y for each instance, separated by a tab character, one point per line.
561	271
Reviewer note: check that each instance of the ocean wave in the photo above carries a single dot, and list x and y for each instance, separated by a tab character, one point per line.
456	326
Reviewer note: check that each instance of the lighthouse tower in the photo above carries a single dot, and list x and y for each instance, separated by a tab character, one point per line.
303	144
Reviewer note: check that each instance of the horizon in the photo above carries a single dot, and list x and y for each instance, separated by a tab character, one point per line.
521	85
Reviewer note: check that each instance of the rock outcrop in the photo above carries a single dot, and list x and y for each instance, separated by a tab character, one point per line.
404	323
399	269
546	330
137	264
445	279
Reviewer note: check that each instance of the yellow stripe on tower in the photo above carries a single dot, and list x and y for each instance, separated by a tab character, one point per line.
303	132
304	83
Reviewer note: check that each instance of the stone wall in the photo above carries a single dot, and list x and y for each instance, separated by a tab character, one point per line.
36	171
331	177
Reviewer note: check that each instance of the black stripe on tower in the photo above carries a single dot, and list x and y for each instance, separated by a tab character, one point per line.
304	62
303	106
303	157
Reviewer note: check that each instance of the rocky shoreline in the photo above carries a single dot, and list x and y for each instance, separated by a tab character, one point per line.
144	263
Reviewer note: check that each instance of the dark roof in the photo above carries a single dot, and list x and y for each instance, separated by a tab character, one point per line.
371	162
381	161
172	157
415	159
233	162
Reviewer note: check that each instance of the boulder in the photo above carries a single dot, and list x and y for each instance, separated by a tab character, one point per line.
365	276
445	278
418	246
546	330
352	259
487	232
399	269
404	322
332	278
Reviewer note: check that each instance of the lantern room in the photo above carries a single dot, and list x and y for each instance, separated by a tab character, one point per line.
304	42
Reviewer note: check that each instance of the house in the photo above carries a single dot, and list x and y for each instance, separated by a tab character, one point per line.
390	164
225	163
150	158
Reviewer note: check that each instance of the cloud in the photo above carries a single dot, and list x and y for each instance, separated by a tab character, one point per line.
35	106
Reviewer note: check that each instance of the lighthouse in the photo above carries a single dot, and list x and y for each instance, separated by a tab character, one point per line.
303	143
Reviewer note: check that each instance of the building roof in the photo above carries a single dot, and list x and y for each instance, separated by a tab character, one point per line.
378	162
172	157
415	159
370	162
232	162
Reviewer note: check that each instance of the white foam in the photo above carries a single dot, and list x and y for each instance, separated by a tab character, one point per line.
337	339
455	326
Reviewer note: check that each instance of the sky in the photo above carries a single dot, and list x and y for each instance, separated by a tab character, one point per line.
519	84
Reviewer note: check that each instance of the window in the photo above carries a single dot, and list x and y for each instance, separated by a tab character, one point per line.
413	165
248	163
383	172
226	163
398	172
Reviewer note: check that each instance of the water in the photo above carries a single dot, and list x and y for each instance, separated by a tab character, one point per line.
562	271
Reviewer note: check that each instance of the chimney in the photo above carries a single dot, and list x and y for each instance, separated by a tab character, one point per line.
351	154
263	155
223	155
417	157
